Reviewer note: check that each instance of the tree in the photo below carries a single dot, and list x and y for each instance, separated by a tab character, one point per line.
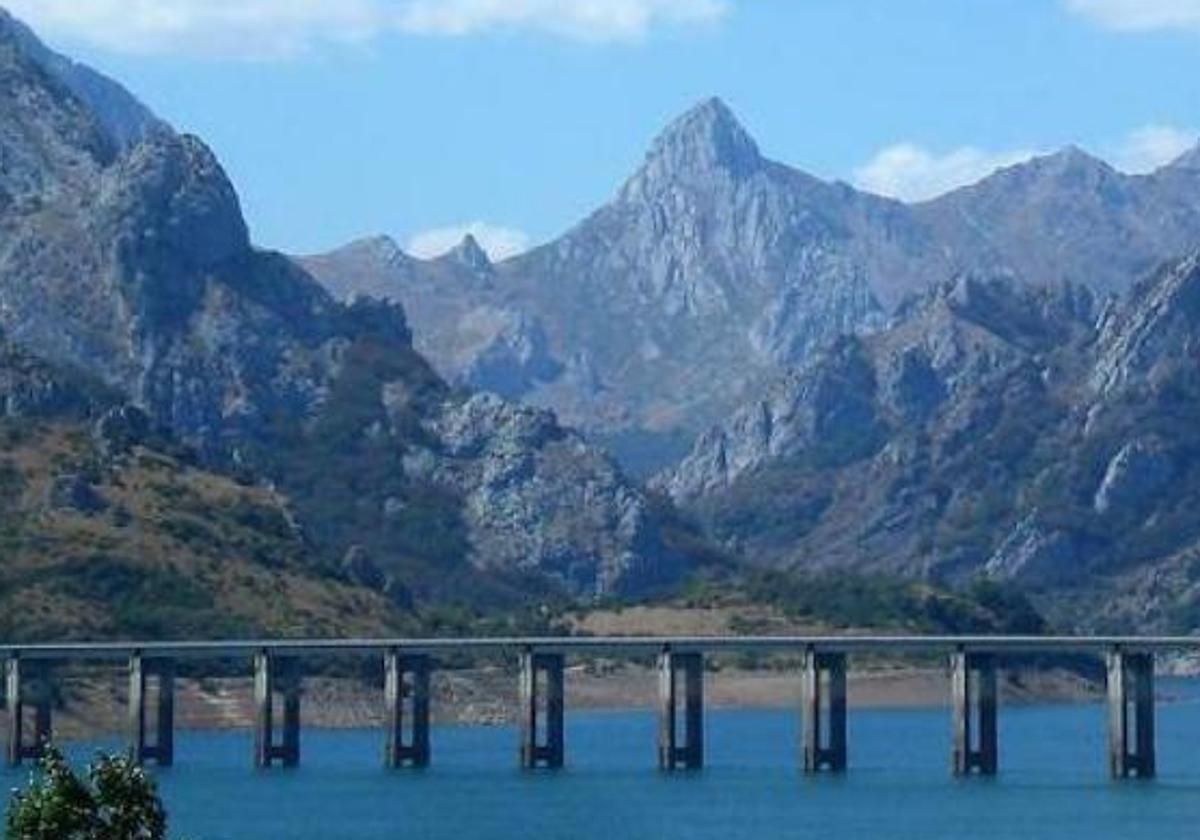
117	801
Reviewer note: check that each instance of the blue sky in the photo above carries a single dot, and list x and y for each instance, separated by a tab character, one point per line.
342	118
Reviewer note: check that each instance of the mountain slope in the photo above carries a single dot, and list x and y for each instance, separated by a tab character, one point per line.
990	430
714	269
109	530
134	265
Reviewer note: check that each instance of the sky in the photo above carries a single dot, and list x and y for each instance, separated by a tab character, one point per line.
514	119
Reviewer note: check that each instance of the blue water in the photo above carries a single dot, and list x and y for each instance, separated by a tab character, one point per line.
1053	783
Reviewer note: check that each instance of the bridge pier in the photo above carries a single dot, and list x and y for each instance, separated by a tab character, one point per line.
414	752
974	693
162	750
541	679
823	711
18	748
266	750
1130	714
673	755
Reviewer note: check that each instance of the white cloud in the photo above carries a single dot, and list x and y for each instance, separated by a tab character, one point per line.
592	20
912	173
267	29
499	242
1140	15
1150	147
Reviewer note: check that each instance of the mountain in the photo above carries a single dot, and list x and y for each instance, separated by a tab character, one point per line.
126	119
131	262
1069	217
1020	433
714	270
111	530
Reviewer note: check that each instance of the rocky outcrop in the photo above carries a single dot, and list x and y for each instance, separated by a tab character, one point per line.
1134	476
540	499
1035	555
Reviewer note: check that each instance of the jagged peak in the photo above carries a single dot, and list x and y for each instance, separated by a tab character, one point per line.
707	137
470	253
1070	160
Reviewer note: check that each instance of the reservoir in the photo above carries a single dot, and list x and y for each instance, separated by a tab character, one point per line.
1053	782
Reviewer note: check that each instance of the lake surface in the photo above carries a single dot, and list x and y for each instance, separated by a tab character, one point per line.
1053	783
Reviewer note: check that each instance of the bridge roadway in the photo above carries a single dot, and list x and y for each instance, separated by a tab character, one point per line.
974	662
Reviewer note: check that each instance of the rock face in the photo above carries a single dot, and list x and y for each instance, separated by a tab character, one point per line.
714	270
127	120
124	254
991	429
1135	475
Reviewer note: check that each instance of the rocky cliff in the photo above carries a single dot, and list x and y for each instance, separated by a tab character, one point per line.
123	253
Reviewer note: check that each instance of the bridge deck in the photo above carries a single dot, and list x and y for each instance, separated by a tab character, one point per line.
606	644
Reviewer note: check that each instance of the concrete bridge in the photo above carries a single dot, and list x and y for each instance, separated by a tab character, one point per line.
973	661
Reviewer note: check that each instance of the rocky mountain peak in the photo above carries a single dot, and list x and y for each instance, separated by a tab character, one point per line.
171	194
383	249
126	120
706	139
470	254
1071	164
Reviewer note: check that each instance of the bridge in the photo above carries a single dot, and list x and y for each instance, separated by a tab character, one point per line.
974	662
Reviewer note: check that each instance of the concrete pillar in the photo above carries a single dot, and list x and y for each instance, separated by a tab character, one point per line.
164	747
541	678
137	708
1131	714
823	712
974	694
414	752
266	685
162	750
289	751
15	703
264	695
672	754
19	748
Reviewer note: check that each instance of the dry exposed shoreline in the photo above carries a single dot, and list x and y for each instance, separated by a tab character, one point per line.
94	705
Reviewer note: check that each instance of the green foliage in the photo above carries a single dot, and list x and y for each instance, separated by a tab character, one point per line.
345	475
144	602
847	599
116	801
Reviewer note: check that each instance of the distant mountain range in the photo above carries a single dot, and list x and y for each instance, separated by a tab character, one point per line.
714	270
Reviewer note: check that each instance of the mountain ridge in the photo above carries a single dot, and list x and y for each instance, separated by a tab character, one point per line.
714	269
